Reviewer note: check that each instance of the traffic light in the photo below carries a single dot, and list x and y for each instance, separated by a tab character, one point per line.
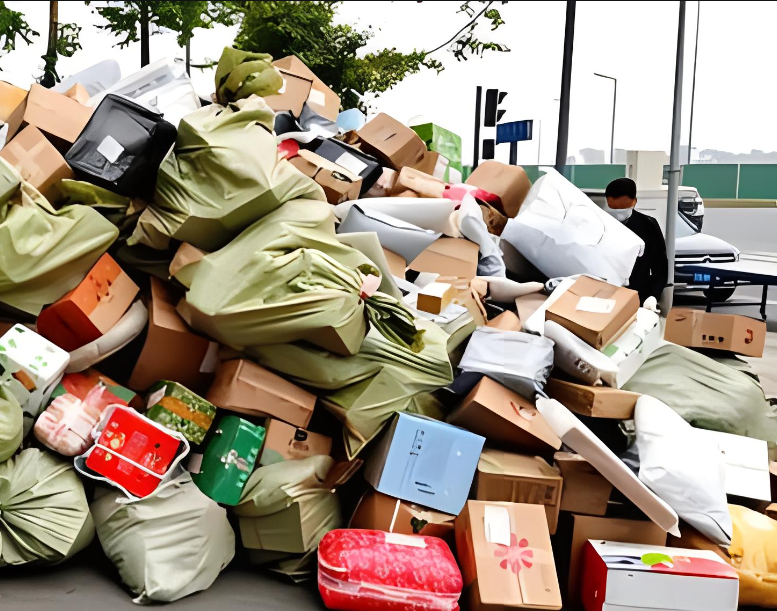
493	115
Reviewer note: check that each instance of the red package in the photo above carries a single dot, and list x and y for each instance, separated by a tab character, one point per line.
132	452
372	570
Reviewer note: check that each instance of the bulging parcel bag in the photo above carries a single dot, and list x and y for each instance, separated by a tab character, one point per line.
562	233
11	424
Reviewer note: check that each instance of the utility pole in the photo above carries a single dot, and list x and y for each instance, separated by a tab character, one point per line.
693	88
674	162
566	87
476	155
614	100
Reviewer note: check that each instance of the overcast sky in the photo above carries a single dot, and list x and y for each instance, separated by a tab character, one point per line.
632	41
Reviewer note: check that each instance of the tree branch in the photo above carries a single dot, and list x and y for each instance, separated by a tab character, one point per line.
452	38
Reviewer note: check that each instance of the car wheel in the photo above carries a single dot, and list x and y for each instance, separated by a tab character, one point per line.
719	295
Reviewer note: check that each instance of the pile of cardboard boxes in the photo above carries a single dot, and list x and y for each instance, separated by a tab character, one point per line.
510	460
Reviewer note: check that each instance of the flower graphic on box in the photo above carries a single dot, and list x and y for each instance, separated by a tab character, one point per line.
515	554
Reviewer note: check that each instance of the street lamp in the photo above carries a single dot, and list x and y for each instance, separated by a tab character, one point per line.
614	97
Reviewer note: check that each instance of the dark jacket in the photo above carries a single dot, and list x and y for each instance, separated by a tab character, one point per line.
650	271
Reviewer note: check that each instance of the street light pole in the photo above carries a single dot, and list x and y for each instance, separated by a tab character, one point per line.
614	99
693	87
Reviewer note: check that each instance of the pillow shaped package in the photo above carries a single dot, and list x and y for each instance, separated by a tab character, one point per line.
562	232
576	358
682	468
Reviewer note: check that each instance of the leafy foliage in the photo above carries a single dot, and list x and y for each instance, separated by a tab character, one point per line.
68	39
13	25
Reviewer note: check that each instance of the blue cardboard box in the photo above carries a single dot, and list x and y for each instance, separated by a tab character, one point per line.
425	461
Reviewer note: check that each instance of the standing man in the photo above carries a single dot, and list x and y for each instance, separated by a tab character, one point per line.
650	271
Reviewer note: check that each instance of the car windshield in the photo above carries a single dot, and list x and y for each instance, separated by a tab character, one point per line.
683	227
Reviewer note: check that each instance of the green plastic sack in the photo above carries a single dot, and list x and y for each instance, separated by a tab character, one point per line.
240	74
167	545
288	278
365	390
223	174
11	424
707	394
44	516
45	252
444	142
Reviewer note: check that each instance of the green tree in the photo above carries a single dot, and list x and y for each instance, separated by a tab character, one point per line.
307	29
63	40
13	25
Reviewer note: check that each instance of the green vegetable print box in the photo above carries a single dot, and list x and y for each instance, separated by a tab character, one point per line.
179	409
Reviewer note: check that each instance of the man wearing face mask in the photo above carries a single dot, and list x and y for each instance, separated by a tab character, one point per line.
650	271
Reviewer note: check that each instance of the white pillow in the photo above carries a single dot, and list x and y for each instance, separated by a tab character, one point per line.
576	358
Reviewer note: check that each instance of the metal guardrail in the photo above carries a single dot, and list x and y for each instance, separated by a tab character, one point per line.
740	203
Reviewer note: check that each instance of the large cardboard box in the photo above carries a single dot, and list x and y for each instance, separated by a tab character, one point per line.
595	311
697	329
526	305
36	159
393	143
321	98
339	184
292	95
59	117
506	558
13	102
609	529
286	442
91	309
172	351
245	387
377	511
509	182
648	577
397	264
593	401
519	478
505	418
449	257
585	491
425	461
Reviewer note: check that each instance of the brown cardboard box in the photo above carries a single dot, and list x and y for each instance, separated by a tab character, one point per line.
419	182
384	185
396	263
377	511
428	162
435	297
449	257
59	117
293	93
509	182
339	184
172	351
78	93
13	102
697	329
606	529
585	490
594	401
519	478
36	159
573	310
321	99
394	144
506	321
505	418
245	387
284	442
526	305
506	558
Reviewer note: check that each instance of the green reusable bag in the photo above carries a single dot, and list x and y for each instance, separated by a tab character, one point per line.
444	142
167	545
240	74
223	174
45	252
11	423
44	516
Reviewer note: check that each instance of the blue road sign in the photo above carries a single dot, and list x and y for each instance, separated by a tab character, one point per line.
516	131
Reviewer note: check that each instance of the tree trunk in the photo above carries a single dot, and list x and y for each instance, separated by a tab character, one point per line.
49	75
145	52
189	57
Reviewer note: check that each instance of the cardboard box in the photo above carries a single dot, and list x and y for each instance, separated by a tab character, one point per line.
91	309
506	558
377	511
244	387
585	491
172	351
593	401
449	257
526	305
419	182
509	182
59	117
506	321
321	98
428	162
746	461
697	329
13	102
286	442
435	297
339	184
36	159
610	529
595	311
648	577
384	185
631	348
519	478
426	461
397	264
177	408
78	93
393	143
292	95
505	418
